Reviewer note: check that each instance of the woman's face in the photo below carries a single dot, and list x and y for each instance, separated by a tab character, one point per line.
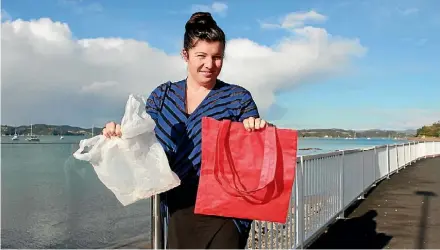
205	61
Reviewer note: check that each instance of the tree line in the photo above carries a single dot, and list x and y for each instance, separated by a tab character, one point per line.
429	130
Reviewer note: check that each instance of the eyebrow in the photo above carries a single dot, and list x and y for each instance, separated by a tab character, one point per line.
203	53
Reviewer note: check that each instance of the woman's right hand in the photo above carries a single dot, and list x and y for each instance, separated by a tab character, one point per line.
112	129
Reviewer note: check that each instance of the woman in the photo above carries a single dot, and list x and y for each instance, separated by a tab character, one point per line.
177	109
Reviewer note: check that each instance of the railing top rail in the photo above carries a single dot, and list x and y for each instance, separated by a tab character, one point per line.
354	150
305	157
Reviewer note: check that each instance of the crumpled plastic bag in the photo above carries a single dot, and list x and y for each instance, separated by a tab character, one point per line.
134	166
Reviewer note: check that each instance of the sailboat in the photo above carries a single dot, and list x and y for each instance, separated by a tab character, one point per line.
15	137
32	137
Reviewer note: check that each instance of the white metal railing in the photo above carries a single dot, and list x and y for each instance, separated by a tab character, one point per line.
325	186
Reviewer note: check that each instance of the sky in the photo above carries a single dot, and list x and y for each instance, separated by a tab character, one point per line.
360	64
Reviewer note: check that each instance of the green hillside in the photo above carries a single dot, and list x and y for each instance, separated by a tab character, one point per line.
429	131
44	129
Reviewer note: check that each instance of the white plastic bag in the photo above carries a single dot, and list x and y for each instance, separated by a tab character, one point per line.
134	166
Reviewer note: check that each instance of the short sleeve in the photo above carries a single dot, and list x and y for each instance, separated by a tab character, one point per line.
248	107
154	101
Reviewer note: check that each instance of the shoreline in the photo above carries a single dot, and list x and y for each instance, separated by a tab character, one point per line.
423	139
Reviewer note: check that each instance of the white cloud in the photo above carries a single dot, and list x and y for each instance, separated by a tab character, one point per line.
409	11
219	7
295	20
403	118
79	7
48	76
97	87
422	42
216	7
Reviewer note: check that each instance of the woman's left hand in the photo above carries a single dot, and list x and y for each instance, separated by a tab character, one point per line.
251	123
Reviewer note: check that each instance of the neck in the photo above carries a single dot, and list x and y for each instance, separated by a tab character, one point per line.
194	85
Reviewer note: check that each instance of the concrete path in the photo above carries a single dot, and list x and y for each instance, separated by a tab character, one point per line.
402	212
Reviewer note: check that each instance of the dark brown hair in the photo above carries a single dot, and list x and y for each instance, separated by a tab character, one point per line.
201	26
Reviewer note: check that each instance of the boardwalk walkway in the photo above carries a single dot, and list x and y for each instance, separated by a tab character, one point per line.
402	212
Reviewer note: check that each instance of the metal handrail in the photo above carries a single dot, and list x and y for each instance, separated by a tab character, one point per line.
325	186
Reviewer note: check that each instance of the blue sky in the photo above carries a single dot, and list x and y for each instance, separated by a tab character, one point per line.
394	84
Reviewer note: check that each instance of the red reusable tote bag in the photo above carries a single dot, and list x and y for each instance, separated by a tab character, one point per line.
246	175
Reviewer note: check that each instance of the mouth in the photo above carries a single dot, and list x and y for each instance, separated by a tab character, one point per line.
206	73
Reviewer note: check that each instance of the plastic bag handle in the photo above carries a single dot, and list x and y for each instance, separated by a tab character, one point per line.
93	143
268	169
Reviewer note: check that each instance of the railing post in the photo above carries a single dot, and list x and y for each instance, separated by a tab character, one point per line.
375	164
397	157
156	224
425	153
363	176
341	187
415	152
405	155
419	151
299	193
388	161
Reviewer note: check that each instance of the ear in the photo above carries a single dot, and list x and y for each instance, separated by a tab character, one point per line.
184	55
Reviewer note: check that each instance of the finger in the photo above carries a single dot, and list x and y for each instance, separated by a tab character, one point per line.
257	123
260	123
246	124
251	123
118	130
110	127
263	123
105	133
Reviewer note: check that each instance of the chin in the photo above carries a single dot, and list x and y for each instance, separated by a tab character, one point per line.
206	80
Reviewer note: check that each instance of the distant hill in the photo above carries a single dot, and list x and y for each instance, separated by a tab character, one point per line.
429	130
411	132
44	129
342	133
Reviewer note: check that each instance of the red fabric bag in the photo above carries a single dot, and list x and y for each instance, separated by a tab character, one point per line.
246	175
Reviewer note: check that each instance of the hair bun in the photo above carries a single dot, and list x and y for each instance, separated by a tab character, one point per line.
201	26
200	18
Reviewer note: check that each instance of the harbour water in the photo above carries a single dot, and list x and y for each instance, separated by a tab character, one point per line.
51	200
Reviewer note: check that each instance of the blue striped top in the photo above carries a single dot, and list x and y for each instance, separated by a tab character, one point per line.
180	133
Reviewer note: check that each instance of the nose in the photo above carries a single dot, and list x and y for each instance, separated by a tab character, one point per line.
209	62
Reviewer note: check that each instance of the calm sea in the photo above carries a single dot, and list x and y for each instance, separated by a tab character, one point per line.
51	200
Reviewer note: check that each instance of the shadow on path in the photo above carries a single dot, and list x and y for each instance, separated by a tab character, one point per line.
424	217
357	232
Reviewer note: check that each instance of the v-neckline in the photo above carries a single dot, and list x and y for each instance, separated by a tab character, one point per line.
188	116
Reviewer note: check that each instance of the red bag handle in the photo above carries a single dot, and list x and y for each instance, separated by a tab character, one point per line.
268	169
